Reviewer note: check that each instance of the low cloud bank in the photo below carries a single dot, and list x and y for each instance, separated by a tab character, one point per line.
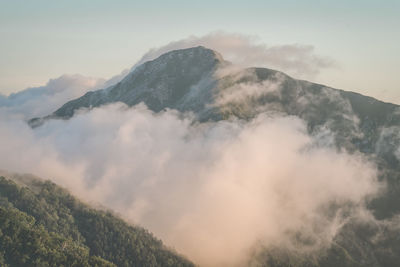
41	101
212	191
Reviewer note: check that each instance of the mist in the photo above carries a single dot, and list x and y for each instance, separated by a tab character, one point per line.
43	100
212	191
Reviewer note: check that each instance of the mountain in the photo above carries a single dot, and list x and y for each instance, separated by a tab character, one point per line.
198	80
41	224
170	81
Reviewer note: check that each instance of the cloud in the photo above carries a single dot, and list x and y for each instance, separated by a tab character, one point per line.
212	191
297	60
41	101
240	93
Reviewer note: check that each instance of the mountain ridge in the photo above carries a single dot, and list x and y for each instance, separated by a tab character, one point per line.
170	81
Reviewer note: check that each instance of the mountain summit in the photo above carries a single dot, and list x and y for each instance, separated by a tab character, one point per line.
168	81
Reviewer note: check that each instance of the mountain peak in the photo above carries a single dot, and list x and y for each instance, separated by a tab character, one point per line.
193	52
169	81
199	57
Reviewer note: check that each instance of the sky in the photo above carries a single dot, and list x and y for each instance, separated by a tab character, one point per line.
44	39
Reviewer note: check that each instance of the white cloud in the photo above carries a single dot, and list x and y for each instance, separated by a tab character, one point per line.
211	190
41	101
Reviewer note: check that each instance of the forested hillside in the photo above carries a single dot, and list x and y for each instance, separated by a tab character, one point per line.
41	224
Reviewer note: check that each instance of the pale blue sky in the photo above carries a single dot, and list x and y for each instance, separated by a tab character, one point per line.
43	39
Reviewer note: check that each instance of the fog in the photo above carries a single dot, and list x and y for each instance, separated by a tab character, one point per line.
43	100
213	191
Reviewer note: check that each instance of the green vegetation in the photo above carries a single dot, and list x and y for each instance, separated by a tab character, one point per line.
41	224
